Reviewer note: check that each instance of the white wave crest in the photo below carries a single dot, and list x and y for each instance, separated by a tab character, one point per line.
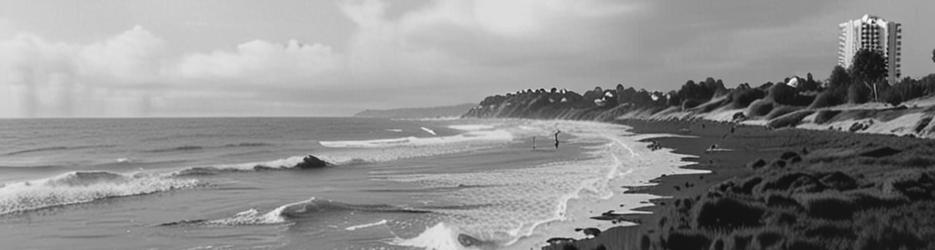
354	228
82	187
428	130
254	217
468	137
440	237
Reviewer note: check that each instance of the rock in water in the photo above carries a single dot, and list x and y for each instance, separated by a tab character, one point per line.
311	161
468	241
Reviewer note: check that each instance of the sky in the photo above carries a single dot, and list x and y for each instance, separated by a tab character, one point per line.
190	58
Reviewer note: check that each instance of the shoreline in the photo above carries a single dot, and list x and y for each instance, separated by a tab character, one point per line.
746	144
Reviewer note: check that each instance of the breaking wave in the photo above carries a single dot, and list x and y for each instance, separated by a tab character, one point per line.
443	236
82	187
306	208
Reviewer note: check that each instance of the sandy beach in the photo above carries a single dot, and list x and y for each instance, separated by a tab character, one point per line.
781	189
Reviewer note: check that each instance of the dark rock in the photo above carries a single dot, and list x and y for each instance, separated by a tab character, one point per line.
880	152
559	240
468	241
857	126
310	162
591	231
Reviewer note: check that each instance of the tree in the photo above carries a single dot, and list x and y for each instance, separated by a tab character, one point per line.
868	67
839	78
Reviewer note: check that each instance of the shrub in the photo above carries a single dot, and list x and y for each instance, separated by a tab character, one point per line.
828	98
782	94
741	98
687	241
760	108
728	213
831	208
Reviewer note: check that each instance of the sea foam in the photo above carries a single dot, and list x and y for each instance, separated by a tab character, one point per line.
524	200
81	187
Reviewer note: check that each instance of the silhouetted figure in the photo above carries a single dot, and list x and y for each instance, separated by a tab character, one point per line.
533	143
556	138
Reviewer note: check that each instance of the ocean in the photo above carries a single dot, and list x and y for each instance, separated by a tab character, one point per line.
230	183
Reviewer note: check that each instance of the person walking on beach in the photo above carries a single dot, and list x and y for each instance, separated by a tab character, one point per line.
533	143
556	138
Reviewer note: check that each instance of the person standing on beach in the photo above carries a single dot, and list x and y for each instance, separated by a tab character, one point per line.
556	138
533	143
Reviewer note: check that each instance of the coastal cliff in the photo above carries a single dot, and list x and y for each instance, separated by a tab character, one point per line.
797	102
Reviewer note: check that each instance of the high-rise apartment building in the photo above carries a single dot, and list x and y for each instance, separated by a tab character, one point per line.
874	33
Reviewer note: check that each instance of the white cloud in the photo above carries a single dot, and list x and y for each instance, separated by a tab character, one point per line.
446	46
260	60
128	57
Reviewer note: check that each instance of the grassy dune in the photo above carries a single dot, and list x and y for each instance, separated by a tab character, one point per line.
786	189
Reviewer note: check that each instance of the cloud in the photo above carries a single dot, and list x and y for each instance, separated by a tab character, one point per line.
47	78
127	57
439	52
260	59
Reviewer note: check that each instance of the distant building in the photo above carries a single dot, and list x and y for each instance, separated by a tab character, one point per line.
874	33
